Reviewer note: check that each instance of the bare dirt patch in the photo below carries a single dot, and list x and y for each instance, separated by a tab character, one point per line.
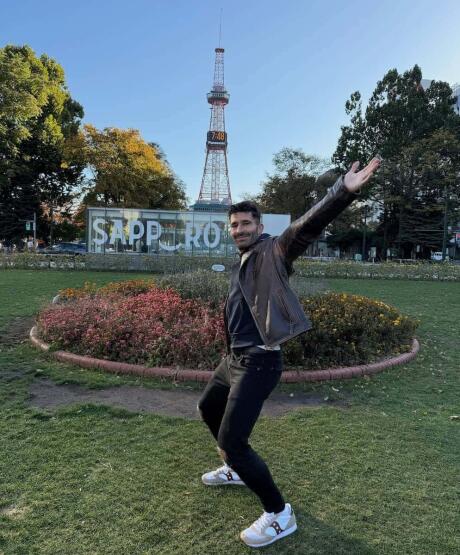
17	331
13	512
45	394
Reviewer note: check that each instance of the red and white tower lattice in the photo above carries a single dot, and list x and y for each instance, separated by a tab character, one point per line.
215	184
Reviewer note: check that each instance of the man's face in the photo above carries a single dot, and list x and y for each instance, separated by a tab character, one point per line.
244	229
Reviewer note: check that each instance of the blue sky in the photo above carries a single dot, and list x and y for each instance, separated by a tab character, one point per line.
289	67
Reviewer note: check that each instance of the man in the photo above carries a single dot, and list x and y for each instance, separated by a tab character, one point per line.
261	313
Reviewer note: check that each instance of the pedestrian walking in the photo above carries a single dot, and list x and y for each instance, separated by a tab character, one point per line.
261	313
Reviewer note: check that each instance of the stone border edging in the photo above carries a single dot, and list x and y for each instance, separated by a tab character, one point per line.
289	376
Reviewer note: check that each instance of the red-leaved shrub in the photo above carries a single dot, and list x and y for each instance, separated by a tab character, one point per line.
155	328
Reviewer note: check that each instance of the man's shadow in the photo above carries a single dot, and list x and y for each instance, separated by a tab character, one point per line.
315	537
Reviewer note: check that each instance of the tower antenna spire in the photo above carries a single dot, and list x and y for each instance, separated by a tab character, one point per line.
220	27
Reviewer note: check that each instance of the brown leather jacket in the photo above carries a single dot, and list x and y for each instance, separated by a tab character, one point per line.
265	269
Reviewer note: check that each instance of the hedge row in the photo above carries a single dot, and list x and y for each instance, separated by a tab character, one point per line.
420	271
112	262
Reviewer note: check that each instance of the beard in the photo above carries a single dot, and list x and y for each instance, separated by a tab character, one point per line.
245	240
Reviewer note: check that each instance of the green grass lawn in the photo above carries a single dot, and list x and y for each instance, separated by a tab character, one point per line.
380	476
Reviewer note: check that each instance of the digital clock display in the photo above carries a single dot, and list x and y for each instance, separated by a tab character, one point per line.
217	136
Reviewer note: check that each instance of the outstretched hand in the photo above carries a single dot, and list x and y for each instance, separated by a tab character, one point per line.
355	179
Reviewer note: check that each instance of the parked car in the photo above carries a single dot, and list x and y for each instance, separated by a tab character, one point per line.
437	256
66	248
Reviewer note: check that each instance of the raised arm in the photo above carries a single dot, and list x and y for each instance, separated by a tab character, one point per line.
295	239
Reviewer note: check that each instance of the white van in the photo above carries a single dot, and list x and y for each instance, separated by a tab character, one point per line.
437	256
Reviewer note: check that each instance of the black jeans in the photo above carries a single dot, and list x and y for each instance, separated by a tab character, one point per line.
230	406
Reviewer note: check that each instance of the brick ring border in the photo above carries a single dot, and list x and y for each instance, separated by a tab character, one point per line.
289	376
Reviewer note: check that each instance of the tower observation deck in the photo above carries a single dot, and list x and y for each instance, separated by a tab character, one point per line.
215	184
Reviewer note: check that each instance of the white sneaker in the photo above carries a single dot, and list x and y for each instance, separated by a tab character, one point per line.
270	527
222	476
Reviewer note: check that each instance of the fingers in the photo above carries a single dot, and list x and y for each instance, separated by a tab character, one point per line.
373	165
366	178
354	167
368	171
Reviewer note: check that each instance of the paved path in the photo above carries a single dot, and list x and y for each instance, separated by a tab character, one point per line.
46	394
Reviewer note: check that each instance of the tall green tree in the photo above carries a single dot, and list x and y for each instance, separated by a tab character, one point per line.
400	113
37	119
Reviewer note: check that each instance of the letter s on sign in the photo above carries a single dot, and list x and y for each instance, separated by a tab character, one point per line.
96	223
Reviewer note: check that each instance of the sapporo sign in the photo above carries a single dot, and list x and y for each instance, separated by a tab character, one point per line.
165	231
195	235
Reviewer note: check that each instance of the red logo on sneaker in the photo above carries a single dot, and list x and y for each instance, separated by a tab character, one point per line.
276	527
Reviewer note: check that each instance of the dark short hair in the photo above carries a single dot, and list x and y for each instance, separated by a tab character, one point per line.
245	206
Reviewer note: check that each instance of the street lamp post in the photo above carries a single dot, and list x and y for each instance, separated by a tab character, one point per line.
363	248
444	234
35	230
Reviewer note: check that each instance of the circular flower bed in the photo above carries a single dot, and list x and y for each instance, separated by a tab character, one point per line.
142	323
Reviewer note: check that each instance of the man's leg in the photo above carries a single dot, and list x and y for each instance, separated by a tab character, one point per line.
212	408
253	378
214	398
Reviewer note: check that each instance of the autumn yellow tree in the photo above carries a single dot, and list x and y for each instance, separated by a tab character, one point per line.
126	171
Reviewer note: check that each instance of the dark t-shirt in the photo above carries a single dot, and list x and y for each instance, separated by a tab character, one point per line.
241	327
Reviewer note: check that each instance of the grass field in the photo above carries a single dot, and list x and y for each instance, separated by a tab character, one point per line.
379	475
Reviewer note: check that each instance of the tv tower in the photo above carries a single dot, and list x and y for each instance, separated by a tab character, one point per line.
215	184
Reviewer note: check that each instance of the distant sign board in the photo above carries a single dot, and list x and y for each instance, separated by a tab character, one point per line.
166	232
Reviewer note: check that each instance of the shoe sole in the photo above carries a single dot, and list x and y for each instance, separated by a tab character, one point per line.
229	483
287	532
